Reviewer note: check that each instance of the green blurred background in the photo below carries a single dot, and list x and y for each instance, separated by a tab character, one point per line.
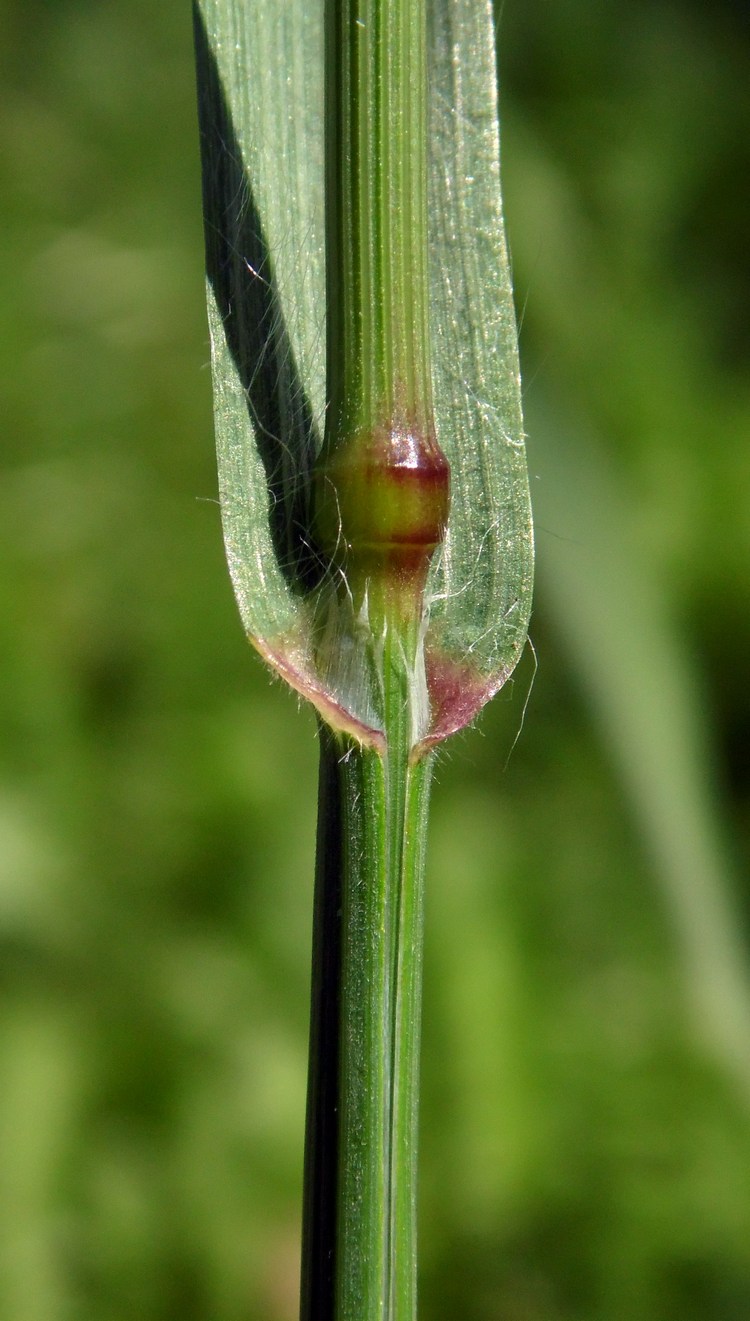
586	1112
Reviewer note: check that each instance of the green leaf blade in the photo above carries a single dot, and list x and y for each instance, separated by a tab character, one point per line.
481	586
261	81
260	91
260	78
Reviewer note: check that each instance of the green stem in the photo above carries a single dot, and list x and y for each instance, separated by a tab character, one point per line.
376	151
381	482
359	1261
381	501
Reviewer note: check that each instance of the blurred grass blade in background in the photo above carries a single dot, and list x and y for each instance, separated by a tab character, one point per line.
603	595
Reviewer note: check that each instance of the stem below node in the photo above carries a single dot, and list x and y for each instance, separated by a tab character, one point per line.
359	1242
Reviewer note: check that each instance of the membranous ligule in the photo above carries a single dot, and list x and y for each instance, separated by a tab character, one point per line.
381	503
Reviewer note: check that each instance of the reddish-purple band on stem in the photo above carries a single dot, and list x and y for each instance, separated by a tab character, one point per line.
382	502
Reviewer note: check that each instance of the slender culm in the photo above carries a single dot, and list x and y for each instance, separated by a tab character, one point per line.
375	512
382	480
381	496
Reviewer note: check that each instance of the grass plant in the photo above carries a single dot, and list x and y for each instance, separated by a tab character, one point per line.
383	567
583	1148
